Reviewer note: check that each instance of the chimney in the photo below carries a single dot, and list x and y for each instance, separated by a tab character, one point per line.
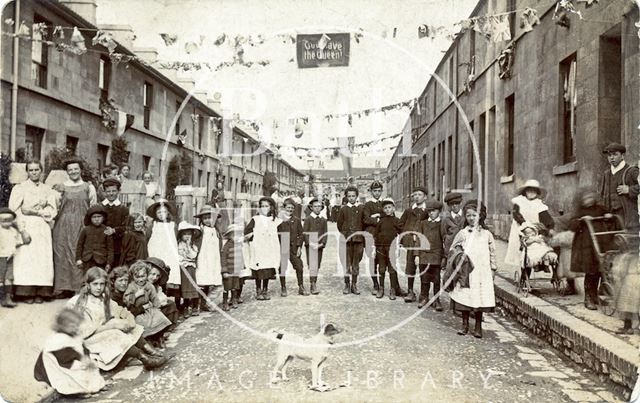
187	83
123	34
84	8
149	55
201	95
215	102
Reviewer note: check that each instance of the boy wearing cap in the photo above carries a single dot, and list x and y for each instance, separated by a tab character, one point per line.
95	247
292	250
452	220
433	258
11	237
371	213
619	187
387	229
315	240
349	224
117	216
410	222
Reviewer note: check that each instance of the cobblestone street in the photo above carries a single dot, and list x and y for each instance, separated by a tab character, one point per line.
423	360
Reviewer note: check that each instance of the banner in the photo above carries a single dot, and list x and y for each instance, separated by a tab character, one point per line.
322	50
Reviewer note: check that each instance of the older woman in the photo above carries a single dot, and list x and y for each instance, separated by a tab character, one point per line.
35	205
76	196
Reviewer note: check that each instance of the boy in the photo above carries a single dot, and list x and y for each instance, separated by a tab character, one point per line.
371	213
11	237
410	221
432	259
349	223
95	247
291	225
387	229
452	220
117	216
314	244
619	188
232	265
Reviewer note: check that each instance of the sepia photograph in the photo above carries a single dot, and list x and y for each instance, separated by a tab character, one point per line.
319	201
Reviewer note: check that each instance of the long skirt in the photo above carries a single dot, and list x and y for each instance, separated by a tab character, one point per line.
33	262
153	321
107	348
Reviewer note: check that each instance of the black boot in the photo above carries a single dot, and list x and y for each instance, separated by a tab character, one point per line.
234	299
465	323
225	300
149	362
313	287
626	329
376	286
302	290
347	285
149	349
354	285
477	332
437	305
283	286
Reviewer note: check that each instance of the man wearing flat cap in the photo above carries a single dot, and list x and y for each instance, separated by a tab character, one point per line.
371	213
619	187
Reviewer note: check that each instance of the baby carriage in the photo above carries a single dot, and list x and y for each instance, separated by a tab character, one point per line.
537	257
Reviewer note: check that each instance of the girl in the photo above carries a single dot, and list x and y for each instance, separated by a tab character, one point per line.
76	196
583	256
264	245
188	253
475	292
151	189
62	363
158	276
163	244
141	295
208	275
527	206
134	241
109	331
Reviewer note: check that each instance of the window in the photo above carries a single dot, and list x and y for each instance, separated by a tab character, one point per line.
451	167
178	103
102	154
104	77
201	123
509	140
147	101
451	75
199	178
472	44
424	171
71	144
39	55
434	167
568	101
33	142
470	157
146	162
208	186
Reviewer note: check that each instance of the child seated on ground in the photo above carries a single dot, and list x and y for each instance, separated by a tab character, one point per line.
63	364
158	276
537	250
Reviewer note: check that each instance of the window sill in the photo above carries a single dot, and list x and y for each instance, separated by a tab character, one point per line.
566	168
468	186
506	179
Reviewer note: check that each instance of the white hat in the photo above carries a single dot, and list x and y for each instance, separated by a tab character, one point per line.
185	226
532	183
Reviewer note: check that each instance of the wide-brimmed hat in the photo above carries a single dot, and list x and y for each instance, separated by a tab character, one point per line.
151	210
614	147
534	184
388	200
208	209
96	209
375	185
111	182
185	226
453	198
433	205
7	210
162	268
232	228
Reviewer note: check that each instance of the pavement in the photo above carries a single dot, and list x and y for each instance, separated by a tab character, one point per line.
395	352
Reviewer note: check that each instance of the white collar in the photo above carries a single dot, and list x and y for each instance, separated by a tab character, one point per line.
116	203
619	168
314	215
353	205
456	215
422	205
431	220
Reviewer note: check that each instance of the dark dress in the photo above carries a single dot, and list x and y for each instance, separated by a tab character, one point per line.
134	247
583	255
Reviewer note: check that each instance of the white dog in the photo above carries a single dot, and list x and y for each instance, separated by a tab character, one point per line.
314	349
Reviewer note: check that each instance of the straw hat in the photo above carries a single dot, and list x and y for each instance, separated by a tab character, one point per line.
162	268
534	184
207	209
151	210
185	226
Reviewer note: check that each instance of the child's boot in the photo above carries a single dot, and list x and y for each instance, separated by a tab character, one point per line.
376	286
6	300
347	285
380	292
626	329
465	323
225	303
354	284
313	286
477	333
234	299
283	286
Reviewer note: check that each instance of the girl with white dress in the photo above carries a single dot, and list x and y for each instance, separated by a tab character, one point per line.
209	275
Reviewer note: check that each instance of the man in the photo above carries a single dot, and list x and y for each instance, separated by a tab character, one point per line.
117	216
410	221
371	213
619	188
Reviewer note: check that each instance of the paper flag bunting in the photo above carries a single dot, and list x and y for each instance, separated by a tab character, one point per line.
191	47
39	30
9	21
58	32
169	39
78	45
105	39
220	40
529	19
589	2
23	30
501	28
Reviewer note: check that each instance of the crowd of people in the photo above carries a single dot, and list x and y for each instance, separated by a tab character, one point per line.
132	277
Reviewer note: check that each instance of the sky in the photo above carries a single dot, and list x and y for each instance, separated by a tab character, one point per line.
382	70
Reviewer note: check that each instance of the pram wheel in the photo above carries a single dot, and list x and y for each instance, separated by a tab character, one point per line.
605	297
522	282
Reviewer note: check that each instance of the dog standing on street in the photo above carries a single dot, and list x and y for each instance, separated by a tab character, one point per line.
314	349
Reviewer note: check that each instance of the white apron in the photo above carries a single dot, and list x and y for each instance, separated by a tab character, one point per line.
164	245
265	245
530	210
33	262
209	264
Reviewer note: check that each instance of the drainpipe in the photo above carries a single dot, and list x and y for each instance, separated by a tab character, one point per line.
14	89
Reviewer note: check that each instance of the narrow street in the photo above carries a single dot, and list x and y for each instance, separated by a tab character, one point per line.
423	360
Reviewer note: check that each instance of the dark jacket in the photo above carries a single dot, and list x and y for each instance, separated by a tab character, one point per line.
315	225
458	258
410	221
451	228
232	259
387	230
434	231
134	247
293	227
625	205
583	256
371	207
350	221
118	219
94	244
